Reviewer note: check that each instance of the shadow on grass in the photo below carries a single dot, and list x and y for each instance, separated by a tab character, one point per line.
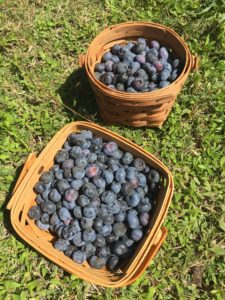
76	94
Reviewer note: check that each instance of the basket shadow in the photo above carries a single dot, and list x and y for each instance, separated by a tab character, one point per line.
78	98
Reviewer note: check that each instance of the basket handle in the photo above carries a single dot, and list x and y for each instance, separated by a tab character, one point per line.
195	62
28	163
81	59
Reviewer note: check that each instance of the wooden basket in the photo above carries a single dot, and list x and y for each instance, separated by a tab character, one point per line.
24	197
136	109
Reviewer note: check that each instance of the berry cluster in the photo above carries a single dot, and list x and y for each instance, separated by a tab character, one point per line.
138	67
96	200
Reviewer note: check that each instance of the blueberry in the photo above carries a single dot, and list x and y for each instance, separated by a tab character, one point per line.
54	219
98	223
77	212
155	44
154	78
138	83
112	161
134	182
39	188
138	48
174	75
133	68
111	238
114	207
78	173
151	86
115	59
81	162
139	164
167	66
77	241
109	66
102	211
115	49
59	174
132	219
105	230
108	197
140	58
100	165
83	201
89	235
46	177
89	190
61	244
127	158
54	168
63	185
69	232
175	63
141	73
112	262
106	56
102	251
119	229
96	201
106	78
144	219
89	249
92	171
85	147
97	262
131	90
120	248
108	219
42	226
144	207
120	217
131	173
59	204
69	205
79	256
89	211
120	87
133	200
75	152
34	213
39	199
114	167
97	75
76	184
126	189
86	223
61	156
128	242
136	234
69	250
99	182
149	68
115	187
48	206
54	195
108	176
141	192
141	179
45	218
163	53
100	67
120	175
158	65
164	74
122	67
71	195
151	57
67	174
68	164
64	214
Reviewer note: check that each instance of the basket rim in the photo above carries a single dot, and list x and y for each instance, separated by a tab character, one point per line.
111	92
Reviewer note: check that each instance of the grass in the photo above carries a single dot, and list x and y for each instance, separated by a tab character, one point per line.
39	46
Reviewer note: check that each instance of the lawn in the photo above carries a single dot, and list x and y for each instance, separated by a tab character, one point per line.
39	46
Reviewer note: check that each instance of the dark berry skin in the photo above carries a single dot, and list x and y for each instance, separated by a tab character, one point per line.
100	67
48	206
71	195
119	229
97	262
139	164
99	240
136	234
69	250
39	188
79	256
120	248
126	189
154	176
144	219
46	177
138	83
54	195
61	244
132	219
63	185
34	213
112	262
111	238
61	156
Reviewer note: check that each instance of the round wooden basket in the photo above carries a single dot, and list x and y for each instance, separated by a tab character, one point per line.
24	197
136	109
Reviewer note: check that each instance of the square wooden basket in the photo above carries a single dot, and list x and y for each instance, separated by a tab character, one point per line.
24	197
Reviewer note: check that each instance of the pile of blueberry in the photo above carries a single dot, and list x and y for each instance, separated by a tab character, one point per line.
96	199
138	67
